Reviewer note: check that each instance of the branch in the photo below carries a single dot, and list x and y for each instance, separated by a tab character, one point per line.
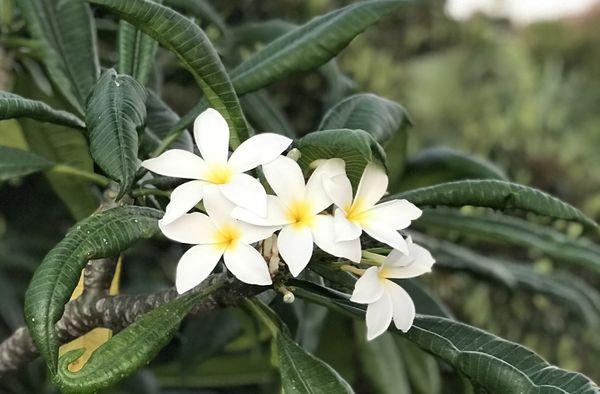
95	308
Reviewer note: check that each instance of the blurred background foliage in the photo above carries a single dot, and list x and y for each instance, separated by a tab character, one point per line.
525	98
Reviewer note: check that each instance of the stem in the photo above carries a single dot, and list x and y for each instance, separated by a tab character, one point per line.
150	192
354	270
91	176
372	258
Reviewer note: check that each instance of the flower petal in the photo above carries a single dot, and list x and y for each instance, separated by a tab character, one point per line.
372	186
403	308
257	150
195	265
247	264
368	288
183	198
339	190
400	266
252	233
295	244
275	214
211	133
285	178
192	228
315	191
218	207
387	235
247	192
379	316
344	229
396	214
324	236
177	163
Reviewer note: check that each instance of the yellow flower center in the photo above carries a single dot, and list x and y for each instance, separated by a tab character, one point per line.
227	236
356	212
219	173
299	213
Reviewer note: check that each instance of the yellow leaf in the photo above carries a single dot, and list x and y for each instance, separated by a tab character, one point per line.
96	337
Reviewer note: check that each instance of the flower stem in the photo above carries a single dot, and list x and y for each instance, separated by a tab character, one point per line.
354	270
372	258
150	192
91	176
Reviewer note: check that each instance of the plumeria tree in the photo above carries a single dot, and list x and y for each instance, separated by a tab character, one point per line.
281	222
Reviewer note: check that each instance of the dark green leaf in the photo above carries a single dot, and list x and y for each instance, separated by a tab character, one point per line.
18	162
380	117
310	45
193	49
574	294
495	194
136	52
161	119
200	9
437	165
421	368
356	147
116	111
498	365
67	37
103	234
131	348
265	114
15	106
510	230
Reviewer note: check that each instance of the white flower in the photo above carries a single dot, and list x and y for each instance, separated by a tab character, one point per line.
297	210
216	235
211	133
387	300
380	221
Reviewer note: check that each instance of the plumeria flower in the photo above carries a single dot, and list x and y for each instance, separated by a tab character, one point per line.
211	134
217	235
297	210
380	221
387	300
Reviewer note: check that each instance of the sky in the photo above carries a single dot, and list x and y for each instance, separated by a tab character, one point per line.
519	11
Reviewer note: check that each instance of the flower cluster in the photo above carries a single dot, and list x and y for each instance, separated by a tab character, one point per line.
239	213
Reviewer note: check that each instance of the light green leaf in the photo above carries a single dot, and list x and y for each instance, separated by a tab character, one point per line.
510	230
136	51
376	115
495	194
498	365
101	235
131	348
67	41
437	165
15	106
310	45
193	49
116	112
356	147
17	162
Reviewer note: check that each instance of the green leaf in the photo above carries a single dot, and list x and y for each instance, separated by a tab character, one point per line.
421	368
498	365
265	114
131	348
356	147
161	119
381	362
310	45
15	106
136	51
437	165
103	234
200	9
116	111
376	115
18	162
193	49
571	292
67	41
505	196
514	231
